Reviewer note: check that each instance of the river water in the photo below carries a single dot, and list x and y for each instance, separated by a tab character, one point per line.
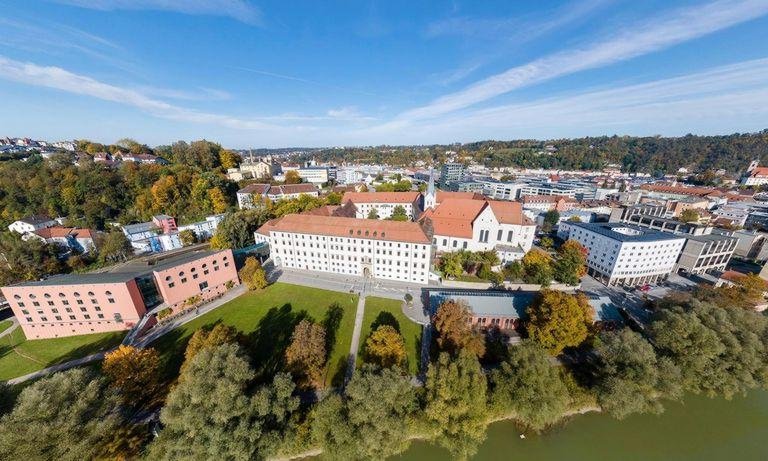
699	429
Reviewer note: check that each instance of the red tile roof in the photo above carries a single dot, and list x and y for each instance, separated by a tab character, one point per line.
293	189
381	197
759	171
254	189
59	232
445	195
454	217
348	227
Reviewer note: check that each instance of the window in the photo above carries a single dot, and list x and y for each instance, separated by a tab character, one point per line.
35	303
108	293
499	234
171	285
79	301
111	301
202	285
97	308
77	295
46	295
184	280
65	302
90	293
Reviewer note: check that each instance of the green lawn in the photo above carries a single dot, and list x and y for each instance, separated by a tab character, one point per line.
267	318
19	356
5	324
388	311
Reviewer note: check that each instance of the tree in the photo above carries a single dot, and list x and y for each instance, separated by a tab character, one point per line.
253	275
385	347
188	237
547	243
334	198
455	396
451	265
571	262
373	214
219	201
306	355
574	218
64	416
203	339
229	159
114	246
630	377
689	215
292	177
453	325
133	373
399	214
237	228
371	420
720	351
210	414
558	320
537	267
529	387
551	218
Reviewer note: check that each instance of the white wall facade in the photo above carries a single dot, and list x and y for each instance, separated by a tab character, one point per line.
384	210
487	232
617	262
388	260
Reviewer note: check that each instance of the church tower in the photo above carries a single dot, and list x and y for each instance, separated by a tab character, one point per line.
430	198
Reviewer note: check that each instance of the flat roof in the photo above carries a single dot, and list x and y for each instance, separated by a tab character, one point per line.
643	234
511	304
122	272
711	237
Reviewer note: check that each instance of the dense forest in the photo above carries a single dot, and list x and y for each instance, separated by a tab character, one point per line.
651	154
92	194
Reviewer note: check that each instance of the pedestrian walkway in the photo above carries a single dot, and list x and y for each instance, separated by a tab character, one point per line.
352	358
10	329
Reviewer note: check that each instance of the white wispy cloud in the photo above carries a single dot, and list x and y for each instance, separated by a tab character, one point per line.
241	10
294	78
64	80
726	98
655	34
517	28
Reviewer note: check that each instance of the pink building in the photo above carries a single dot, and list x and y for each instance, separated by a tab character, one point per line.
165	223
76	304
204	273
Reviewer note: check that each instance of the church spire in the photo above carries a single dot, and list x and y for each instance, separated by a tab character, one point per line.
430	198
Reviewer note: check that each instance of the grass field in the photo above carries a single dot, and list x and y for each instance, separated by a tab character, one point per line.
19	356
387	311
267	319
5	324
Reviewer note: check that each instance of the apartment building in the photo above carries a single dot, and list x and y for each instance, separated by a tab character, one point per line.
248	196
31	224
384	203
388	250
479	225
625	254
76	304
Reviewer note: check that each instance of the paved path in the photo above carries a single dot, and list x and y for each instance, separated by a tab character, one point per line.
163	328
10	329
60	367
353	348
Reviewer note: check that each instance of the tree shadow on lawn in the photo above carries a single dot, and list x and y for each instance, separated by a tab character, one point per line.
272	336
101	345
385	318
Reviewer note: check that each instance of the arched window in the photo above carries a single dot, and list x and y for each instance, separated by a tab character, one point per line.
167	278
77	295
90	293
46	295
61	295
108	293
16	297
32	296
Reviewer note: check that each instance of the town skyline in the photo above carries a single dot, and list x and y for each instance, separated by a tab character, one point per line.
253	74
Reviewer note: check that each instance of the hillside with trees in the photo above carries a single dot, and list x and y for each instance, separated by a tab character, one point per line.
649	154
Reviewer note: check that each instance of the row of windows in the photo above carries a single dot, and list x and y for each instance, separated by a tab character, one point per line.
183	278
59	318
322	238
64	302
61	295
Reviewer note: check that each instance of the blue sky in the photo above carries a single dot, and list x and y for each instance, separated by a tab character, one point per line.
252	73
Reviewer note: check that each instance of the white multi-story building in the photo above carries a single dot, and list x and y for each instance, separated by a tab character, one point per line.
755	175
247	196
311	174
501	190
31	224
624	254
349	176
480	225
384	203
204	229
388	250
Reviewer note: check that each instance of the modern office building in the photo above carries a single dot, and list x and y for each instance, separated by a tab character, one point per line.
76	304
704	253
624	254
388	250
451	172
